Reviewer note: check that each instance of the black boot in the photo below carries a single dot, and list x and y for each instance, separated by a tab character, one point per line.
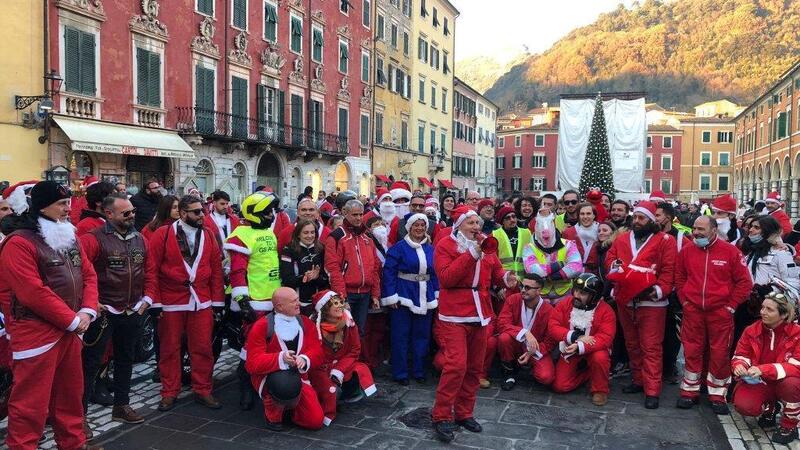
509	381
651	402
444	431
246	394
632	388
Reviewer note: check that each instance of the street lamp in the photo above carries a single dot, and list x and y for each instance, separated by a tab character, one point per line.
46	101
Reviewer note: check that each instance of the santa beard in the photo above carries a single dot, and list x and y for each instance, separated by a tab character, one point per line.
581	319
401	209
381	233
723	226
465	244
387	211
59	236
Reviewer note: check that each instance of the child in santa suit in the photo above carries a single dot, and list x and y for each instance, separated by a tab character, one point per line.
281	348
523	334
584	327
341	347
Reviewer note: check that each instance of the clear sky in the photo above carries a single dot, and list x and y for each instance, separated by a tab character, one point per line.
502	28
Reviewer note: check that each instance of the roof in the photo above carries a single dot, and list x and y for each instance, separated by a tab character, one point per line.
662	128
459	81
718	120
767	92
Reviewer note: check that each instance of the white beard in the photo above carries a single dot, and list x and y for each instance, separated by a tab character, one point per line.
401	209
723	226
581	319
381	233
286	327
59	236
587	235
387	211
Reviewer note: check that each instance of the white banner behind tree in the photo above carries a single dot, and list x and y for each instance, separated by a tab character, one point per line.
626	124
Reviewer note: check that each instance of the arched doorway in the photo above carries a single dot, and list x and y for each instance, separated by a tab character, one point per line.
268	173
239	178
363	186
140	169
316	182
341	178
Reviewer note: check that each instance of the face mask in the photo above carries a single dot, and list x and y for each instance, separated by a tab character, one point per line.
702	242
723	226
755	239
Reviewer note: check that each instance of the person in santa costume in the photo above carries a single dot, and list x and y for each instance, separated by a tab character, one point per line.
384	207
340	369
79	202
219	219
189	282
767	364
48	294
775	209
401	197
584	234
306	210
411	291
556	260
523	337
92	216
281	348
711	280
584	327
643	316
14	203
724	209
466	273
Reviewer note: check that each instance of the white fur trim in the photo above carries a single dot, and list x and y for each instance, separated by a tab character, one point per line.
74	324
281	363
781	371
581	348
659	294
324	300
90	312
338	374
369	390
390	300
239	291
582	319
646	212
236	248
462	218
17	200
398	193
326	421
57	235
308	363
414	218
521	335
30	353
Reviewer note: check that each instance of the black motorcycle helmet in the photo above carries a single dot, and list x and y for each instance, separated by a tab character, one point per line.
589	283
345	197
284	387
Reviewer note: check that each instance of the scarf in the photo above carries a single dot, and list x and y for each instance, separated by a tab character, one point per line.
333	333
186	241
286	327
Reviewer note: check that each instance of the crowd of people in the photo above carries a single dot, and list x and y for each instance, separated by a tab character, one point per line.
575	290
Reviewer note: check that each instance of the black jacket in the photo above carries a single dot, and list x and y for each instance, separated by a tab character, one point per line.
146	206
294	265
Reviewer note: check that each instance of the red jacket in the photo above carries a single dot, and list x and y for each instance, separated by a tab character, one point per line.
209	223
280	222
179	288
660	250
603	328
89	222
464	283
341	362
264	357
590	260
510	321
352	263
286	235
749	349
77	205
712	277
783	219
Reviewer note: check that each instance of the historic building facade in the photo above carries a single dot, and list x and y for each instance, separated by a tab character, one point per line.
706	164
526	160
662	160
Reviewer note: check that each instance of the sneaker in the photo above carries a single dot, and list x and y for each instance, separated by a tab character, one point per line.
508	384
470	424
686	402
273	426
720	408
599	398
784	435
485	384
633	388
444	431
650	402
126	414
768	419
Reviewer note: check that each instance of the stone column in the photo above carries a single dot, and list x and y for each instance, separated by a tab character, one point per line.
794	209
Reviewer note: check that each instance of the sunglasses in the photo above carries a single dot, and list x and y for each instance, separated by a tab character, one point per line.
196	212
129	212
532	288
570	202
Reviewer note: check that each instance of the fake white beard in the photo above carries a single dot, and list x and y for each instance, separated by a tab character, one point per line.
401	209
381	233
59	236
387	211
286	327
581	319
587	234
465	244
723	226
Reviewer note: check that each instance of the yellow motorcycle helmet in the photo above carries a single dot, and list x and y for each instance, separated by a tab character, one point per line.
257	206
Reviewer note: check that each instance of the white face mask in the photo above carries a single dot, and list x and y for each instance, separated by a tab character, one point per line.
546	230
723	226
388	211
402	209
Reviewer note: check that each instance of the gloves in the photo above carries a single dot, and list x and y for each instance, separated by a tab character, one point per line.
248	313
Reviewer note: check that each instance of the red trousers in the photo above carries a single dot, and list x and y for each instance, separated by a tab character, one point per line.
48	384
326	389
643	328
706	336
307	413
197	326
491	348
754	399
373	345
511	349
463	348
570	375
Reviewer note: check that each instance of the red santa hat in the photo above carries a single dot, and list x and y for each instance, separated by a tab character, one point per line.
381	193
16	195
319	300
89	181
647	208
724	203
400	189
484	203
630	281
459	215
431	204
502	213
773	196
658	197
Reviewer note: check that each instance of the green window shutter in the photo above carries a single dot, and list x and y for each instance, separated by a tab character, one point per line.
206	6
240	14
271	25
281	107
72	69
154	79
209	89
199	80
87	45
261	110
318	43
142	74
239	104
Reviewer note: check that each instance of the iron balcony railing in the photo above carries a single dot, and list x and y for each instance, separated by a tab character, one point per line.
221	125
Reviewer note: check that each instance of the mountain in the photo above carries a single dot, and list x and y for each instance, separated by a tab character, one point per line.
480	72
680	52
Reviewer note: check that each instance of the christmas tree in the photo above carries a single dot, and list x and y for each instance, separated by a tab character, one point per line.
597	172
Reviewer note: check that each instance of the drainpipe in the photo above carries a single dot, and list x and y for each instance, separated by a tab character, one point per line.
45	67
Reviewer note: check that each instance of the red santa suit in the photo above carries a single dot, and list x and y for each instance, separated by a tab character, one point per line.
599	323
222	225
711	283
586	241
286	235
514	321
338	363
465	311
643	320
779	214
187	286
281	221
265	356
90	221
42	315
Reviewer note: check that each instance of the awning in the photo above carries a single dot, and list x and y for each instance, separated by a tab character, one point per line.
425	181
384	178
447	184
106	137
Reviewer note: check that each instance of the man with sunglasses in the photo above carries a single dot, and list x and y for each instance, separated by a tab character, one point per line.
146	203
126	280
570	216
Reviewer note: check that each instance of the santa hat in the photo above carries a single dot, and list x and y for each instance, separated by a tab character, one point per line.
319	300
196	193
381	193
484	203
400	189
431	205
16	197
459	215
658	197
724	203
502	213
630	281
773	196
89	181
647	208
412	218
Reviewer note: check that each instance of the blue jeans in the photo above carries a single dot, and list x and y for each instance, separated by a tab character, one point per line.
359	306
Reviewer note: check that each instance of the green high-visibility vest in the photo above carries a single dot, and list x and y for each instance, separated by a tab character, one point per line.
559	286
509	260
263	266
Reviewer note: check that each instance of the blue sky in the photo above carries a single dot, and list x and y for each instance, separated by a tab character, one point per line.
502	27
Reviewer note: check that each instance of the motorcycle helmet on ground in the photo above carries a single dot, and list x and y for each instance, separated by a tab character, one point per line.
259	209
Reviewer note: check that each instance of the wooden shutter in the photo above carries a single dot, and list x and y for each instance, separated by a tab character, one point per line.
209	89
154	79
142	73
240	13
72	63
281	107
87	45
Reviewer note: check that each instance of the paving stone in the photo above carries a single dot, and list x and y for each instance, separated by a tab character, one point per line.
523	394
731	431
737	444
388	426
522	444
220	430
490	409
679	431
267	439
388	442
564	437
141	437
528	432
178	422
584	402
559	418
337	434
106	427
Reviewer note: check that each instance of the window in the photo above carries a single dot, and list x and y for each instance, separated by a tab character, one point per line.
501	142
393	35
423	11
433	141
666	185
435	57
648	162
649	141
364	130
422	90
315	123
365	13
667	142
538	184
422	50
724	159
421	138
318	44
705	158
404	135
666	162
407	8
435	18
445	64
444	100
343	57
364	66
406	44
344	6
443	141
722	183
517	161
516	183
380	28
446	29
343	123
79	61
433	97
296	119
501	183
705	182
148	77
781	126
205	7
205	90
706	137
296	35
271	22
539	140
500	162
239	18
379	128
239	106
648	186
380	75
518	141
539	161
725	136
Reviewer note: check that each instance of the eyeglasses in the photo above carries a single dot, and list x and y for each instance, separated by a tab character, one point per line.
129	212
570	202
418	206
196	212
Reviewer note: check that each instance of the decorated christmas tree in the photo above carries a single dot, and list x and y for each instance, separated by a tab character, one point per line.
597	172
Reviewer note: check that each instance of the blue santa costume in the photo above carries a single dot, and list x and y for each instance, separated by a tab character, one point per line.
410	281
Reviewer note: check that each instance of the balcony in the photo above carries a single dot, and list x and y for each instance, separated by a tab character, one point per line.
230	127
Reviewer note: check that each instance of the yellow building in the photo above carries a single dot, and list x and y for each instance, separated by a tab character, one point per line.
431	91
706	157
22	157
718	108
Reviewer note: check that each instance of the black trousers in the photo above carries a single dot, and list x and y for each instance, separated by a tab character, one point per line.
672	337
123	330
